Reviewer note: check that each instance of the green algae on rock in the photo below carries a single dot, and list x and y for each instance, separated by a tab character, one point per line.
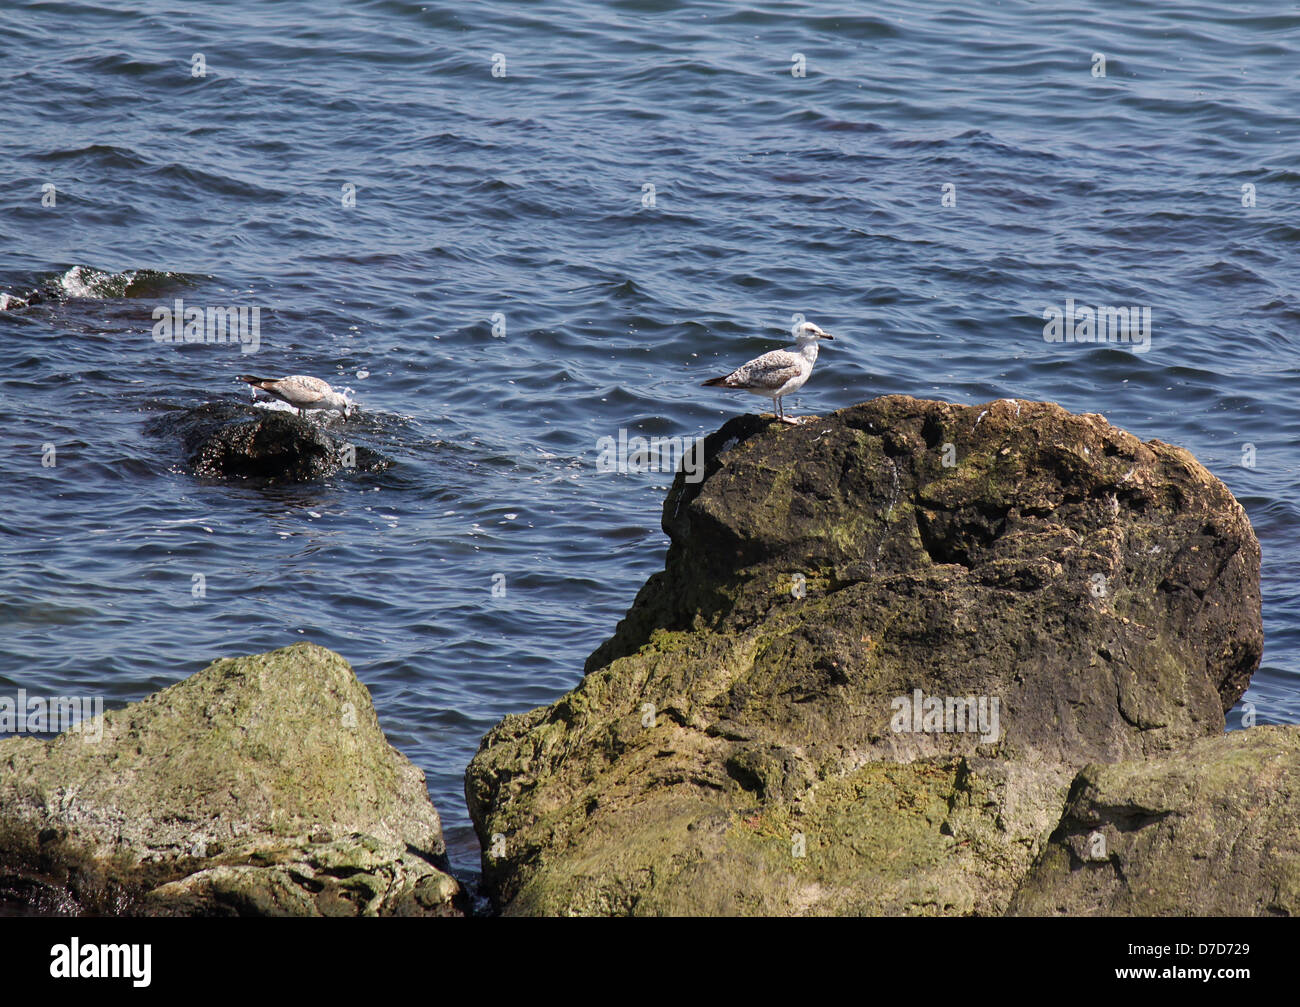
261	785
733	748
1212	831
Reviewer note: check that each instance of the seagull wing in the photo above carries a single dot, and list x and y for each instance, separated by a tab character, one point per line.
771	370
302	389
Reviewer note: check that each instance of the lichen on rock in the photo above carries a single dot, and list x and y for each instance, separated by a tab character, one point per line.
733	748
1214	831
262	785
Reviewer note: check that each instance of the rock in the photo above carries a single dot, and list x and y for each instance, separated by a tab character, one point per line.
261	785
1213	831
224	440
732	748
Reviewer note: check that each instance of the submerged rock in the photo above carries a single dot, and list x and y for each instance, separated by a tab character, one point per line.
754	738
224	440
262	785
1213	831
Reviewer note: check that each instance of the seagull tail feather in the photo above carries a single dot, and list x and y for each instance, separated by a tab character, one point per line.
714	381
254	381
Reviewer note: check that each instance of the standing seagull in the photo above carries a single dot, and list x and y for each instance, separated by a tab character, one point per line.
780	372
301	391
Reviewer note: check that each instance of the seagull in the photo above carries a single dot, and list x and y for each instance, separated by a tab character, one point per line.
780	372
302	392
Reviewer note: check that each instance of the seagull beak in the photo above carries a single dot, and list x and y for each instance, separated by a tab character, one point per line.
827	335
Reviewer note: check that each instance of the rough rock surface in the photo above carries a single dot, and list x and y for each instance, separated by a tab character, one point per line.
224	440
262	785
730	749
1214	831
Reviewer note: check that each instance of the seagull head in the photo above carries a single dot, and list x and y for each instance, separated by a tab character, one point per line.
339	402
807	332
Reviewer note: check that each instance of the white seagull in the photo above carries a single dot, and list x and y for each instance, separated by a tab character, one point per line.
301	391
780	372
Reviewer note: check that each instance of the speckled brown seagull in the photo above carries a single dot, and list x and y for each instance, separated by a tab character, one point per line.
780	372
302	392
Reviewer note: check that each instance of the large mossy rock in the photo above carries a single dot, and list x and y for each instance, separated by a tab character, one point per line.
261	785
730	749
1213	831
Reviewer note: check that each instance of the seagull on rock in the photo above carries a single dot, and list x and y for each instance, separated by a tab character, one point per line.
302	392
780	372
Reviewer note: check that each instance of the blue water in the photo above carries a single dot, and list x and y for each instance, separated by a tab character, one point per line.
524	195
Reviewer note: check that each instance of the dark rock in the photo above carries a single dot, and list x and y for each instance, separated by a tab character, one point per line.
1103	590
224	440
262	785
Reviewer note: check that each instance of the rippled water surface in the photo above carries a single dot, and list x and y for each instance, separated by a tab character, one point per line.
503	294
